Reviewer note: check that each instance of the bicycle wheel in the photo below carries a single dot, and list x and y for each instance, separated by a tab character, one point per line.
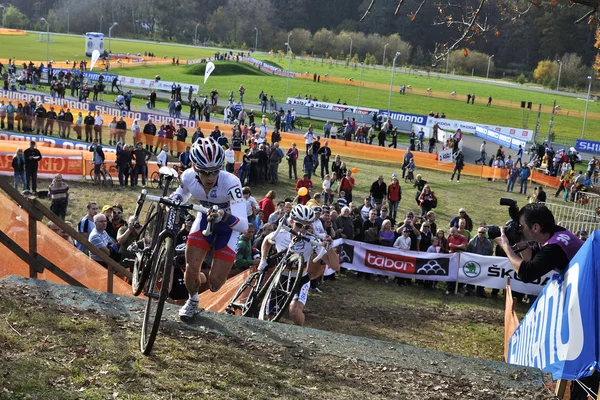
155	180
151	227
157	292
243	301
106	179
281	290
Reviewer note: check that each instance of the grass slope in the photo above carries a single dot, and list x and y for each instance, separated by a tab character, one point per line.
566	128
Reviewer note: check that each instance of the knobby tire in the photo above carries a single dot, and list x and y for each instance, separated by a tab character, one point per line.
157	293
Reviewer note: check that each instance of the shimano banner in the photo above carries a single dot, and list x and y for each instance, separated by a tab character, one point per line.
491	272
390	261
587	146
559	334
405	117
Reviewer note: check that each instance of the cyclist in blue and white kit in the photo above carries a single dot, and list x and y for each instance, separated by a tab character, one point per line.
301	218
209	185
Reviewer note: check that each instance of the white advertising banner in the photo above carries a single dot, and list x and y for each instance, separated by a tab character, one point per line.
487	271
470	127
150	84
445	156
331	106
390	261
491	272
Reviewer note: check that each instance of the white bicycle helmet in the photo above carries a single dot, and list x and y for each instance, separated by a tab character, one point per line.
207	155
301	213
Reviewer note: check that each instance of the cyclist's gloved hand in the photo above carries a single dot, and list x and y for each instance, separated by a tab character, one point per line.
216	216
176	197
262	265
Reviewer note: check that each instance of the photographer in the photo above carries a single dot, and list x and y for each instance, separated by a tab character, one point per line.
555	246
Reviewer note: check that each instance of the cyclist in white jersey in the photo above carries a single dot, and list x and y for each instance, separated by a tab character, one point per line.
301	219
209	185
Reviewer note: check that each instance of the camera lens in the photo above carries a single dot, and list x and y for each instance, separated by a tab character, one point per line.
494	231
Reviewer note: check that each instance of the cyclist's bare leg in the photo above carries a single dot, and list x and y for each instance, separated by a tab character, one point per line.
193	278
219	271
296	312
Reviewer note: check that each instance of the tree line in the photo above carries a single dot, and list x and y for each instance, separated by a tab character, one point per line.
321	28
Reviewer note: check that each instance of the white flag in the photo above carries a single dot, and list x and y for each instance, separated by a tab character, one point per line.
210	67
95	57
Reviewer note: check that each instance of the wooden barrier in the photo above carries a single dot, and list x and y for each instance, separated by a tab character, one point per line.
38	263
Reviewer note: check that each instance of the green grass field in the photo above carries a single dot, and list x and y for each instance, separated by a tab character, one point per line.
566	128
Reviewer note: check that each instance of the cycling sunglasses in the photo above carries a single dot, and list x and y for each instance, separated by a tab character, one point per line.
208	173
300	225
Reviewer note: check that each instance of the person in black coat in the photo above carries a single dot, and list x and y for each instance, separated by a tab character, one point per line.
32	159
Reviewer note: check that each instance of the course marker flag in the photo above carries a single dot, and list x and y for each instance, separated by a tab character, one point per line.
95	57
210	67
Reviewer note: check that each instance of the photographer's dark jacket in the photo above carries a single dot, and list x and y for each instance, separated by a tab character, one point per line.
555	254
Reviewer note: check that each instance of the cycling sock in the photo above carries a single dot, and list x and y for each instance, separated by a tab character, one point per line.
194	297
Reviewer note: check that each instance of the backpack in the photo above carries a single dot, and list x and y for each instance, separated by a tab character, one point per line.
370	235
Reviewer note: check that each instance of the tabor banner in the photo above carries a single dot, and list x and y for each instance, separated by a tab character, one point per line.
492	272
390	261
499	138
147	83
331	106
525	135
559	334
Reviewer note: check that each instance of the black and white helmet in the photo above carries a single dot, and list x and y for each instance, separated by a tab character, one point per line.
207	155
302	213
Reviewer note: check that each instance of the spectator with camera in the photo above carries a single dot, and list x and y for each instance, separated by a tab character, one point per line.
126	235
553	248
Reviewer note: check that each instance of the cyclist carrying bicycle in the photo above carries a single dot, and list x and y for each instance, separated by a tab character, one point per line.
301	218
209	185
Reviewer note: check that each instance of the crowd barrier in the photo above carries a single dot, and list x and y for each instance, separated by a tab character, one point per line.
338	146
14	223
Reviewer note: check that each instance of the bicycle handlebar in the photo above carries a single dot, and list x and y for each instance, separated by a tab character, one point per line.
316	244
177	203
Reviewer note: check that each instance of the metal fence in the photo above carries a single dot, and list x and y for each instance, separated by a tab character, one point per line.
582	214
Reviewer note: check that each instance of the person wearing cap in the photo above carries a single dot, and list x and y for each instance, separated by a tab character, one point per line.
107	211
378	191
366	208
462	213
404	241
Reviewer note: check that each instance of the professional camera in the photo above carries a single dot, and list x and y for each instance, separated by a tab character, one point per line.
511	228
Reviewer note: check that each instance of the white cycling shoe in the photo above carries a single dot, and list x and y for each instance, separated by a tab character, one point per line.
189	309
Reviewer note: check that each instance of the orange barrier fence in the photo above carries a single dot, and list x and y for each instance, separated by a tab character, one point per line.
12	32
14	223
